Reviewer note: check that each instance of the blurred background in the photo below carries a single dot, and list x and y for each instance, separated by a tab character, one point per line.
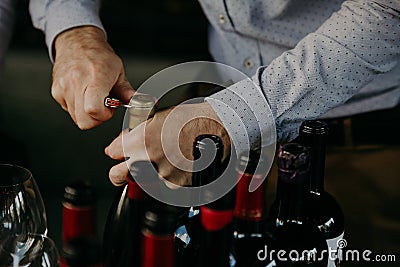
37	134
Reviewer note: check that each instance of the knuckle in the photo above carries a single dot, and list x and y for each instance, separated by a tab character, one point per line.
112	153
93	110
57	93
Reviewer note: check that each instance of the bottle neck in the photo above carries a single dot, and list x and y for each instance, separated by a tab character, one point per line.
313	134
215	220
292	193
317	164
158	249
135	192
249	206
78	221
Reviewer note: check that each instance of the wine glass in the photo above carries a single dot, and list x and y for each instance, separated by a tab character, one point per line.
33	250
21	206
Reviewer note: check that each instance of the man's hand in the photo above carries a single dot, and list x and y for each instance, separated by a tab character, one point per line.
86	70
167	139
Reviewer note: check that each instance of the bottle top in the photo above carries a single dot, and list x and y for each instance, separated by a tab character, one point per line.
206	142
142	101
293	157
143	107
79	193
203	151
160	220
314	127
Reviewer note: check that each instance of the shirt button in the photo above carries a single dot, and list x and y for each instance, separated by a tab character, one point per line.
221	18
248	63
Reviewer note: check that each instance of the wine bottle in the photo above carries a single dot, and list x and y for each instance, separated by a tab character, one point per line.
142	108
216	216
322	208
158	247
187	236
303	243
249	234
122	236
79	211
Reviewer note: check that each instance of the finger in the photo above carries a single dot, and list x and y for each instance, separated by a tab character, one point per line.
93	101
117	140
58	97
118	173
83	120
128	144
115	149
70	107
123	89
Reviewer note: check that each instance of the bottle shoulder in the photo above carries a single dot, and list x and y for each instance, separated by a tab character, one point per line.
325	212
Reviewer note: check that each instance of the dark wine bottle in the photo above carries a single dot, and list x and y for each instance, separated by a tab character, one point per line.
302	242
79	211
187	236
249	234
216	216
322	209
143	107
158	246
122	235
114	228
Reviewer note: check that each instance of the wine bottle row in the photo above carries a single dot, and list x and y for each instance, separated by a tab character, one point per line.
301	228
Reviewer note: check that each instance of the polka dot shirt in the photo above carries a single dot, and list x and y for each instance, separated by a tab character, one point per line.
307	59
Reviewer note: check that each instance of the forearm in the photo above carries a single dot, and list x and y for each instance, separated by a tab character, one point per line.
324	70
56	16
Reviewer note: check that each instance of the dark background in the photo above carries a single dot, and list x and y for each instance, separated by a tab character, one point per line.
166	28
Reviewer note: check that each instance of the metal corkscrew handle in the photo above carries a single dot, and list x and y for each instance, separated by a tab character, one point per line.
140	108
114	103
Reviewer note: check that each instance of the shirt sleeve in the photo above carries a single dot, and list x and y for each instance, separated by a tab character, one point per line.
55	16
324	70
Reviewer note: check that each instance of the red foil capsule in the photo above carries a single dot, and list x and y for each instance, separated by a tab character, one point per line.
158	250
79	212
249	205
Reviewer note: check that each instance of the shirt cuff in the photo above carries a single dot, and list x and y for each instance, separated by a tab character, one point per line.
64	15
245	114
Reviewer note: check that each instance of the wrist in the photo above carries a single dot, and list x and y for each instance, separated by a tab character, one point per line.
83	37
212	124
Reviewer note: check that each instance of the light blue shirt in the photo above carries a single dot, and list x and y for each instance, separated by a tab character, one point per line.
308	58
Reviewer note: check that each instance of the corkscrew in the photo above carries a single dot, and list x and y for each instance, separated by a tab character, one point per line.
112	102
140	107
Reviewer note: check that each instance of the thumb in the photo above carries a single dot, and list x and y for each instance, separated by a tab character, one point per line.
123	89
